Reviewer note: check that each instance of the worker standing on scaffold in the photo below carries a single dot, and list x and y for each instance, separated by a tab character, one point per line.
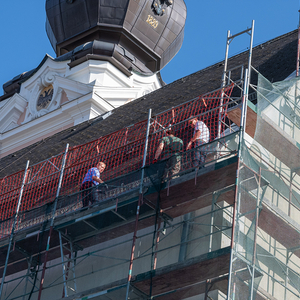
92	178
172	146
200	137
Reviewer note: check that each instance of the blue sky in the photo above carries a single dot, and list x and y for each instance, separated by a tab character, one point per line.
24	41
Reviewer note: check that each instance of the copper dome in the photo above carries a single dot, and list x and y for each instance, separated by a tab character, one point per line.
146	33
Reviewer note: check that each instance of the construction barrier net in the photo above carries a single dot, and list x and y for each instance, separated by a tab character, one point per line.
122	152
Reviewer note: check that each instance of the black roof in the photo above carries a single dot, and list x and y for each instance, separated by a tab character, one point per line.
275	59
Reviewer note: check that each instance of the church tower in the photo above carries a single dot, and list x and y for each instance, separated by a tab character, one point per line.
108	53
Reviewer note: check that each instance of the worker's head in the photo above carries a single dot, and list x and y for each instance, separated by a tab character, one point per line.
101	166
169	131
192	121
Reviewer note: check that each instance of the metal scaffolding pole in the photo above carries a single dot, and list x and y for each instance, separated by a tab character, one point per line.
157	231
241	139
250	58
228	41
13	228
66	265
29	261
184	236
298	49
257	210
212	220
52	220
237	195
63	266
139	205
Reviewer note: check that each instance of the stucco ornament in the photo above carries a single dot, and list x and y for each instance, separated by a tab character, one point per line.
44	97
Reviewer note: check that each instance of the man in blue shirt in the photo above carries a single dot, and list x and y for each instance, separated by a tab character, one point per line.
91	179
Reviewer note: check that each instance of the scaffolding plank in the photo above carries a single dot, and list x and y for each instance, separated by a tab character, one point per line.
190	195
273	221
234	114
288	152
280	226
279	143
189	277
196	203
191	271
187	292
34	246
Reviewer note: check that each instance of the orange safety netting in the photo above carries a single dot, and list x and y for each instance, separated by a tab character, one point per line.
122	151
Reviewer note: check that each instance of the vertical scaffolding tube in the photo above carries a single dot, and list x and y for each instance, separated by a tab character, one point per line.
67	268
236	200
291	192
184	236
255	236
212	220
223	83
286	281
250	56
156	244
29	261
244	112
73	259
139	205
63	265
246	88
13	228
298	50
52	221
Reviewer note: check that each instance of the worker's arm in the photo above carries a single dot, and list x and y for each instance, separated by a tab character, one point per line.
95	178
193	139
159	150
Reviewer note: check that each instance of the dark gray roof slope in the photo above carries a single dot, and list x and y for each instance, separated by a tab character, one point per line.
275	59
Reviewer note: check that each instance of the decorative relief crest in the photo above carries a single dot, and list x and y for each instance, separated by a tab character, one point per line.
159	6
44	98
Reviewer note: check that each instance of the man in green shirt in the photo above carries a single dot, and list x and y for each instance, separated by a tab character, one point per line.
172	146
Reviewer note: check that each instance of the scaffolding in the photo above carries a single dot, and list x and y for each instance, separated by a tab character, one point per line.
266	238
51	209
227	229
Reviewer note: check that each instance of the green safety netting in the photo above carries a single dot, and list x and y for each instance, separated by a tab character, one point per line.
265	257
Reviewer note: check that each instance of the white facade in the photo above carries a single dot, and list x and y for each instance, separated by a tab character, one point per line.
78	94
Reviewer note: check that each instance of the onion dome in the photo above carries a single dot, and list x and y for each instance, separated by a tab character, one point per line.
138	35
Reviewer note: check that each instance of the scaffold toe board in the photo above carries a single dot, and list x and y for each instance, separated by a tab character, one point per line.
234	114
199	268
190	195
289	150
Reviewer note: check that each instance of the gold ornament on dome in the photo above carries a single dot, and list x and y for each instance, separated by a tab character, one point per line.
159	6
45	98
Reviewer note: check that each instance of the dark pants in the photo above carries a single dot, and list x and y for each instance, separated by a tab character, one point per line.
87	193
173	166
199	154
168	168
